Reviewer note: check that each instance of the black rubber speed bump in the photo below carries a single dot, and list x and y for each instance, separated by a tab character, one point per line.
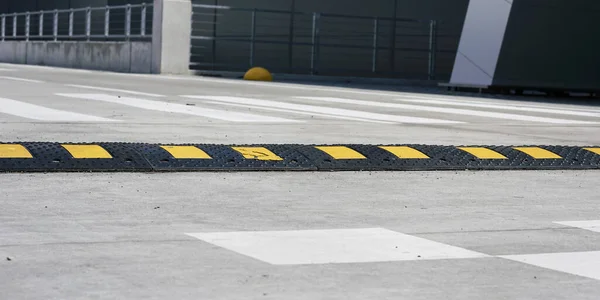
124	157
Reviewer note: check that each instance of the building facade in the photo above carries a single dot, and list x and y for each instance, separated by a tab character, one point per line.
503	43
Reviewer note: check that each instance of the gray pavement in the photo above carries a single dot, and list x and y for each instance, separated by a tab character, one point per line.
432	235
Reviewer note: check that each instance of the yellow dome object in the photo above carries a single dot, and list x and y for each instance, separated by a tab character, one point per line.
259	74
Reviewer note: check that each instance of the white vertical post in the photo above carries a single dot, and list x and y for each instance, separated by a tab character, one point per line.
27	25
143	25
41	24
106	21
128	21
71	14
14	33
88	23
55	25
171	36
3	21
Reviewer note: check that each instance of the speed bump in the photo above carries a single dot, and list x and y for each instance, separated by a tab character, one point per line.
144	157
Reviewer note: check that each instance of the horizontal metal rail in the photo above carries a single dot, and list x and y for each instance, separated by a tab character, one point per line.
321	38
65	24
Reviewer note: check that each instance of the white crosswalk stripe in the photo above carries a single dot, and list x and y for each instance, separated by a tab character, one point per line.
369	245
444	110
179	108
556	111
291	107
592	225
41	113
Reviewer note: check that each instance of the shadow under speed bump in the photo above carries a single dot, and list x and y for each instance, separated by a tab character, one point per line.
141	157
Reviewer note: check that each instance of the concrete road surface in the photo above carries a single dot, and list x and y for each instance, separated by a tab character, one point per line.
277	235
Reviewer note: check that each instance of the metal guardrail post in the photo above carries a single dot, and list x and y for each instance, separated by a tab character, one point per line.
88	23
432	49
41	24
143	25
27	25
314	56
55	25
106	21
14	31
128	21
252	37
3	29
291	37
71	17
375	42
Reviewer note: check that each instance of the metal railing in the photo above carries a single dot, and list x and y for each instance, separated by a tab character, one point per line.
225	38
122	22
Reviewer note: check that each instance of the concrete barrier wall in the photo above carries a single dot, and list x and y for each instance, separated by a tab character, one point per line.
130	57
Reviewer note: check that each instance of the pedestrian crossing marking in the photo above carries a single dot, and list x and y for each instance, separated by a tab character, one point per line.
538	153
186	152
586	264
14	151
260	153
341	152
405	152
591	225
87	151
329	246
483	153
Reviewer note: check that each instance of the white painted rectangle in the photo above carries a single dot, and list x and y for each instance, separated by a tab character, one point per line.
591	225
297	112
41	113
291	107
333	246
586	264
113	90
20	79
180	108
446	110
480	42
505	106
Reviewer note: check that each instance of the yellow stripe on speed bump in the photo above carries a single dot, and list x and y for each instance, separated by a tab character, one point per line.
341	152
186	152
87	151
14	151
538	153
404	152
259	153
595	150
483	153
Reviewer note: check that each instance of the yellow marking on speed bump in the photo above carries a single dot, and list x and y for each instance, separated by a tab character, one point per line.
87	151
259	153
538	153
595	150
341	152
14	151
186	152
405	152
483	153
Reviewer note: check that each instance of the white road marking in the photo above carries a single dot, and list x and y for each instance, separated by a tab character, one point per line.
36	112
586	264
180	108
444	110
324	110
592	225
297	112
21	79
6	70
333	246
557	110
114	90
